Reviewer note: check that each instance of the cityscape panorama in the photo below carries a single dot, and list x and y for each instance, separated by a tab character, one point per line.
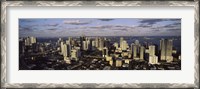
99	44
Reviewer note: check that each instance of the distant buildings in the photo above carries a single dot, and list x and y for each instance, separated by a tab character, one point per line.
29	41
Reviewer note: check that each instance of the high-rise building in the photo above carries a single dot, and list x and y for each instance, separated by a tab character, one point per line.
121	41
66	50
124	45
75	54
166	46
84	45
142	52
151	50
62	47
101	44
134	51
97	42
153	59
116	45
105	52
82	38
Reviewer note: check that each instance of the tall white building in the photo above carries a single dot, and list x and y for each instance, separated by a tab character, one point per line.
124	45
121	42
101	44
142	52
153	59
151	50
166	46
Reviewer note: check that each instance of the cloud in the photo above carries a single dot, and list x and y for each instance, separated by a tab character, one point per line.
52	29
76	22
150	21
52	24
26	20
144	25
111	27
105	19
177	24
173	29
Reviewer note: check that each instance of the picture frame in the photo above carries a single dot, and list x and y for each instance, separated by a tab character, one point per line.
4	39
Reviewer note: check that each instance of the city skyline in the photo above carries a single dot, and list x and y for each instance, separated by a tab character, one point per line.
63	27
100	53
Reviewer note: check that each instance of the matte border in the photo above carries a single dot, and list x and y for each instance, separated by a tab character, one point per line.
5	4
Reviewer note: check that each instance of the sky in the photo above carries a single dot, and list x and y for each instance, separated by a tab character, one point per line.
63	27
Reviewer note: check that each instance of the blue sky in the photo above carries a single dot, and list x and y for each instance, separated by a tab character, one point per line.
62	27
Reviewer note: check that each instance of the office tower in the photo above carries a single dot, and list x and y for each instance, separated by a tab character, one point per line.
153	59
66	50
137	42
124	45
97	42
166	46
116	45
75	54
93	44
121	41
118	62
151	50
142	52
105	52
70	40
62	47
29	41
101	44
84	45
134	49
82	38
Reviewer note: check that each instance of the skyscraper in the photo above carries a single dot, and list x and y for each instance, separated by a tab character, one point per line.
142	52
166	46
105	52
151	50
75	54
101	44
82	38
121	41
134	49
124	45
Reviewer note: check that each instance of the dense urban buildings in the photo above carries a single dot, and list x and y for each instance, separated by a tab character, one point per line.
99	53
